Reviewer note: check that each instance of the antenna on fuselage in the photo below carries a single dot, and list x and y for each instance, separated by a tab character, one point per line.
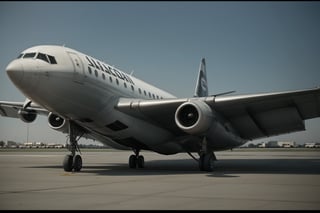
131	72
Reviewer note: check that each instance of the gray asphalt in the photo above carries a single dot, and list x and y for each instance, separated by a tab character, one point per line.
241	181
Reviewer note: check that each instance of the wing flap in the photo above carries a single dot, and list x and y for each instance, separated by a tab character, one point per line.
269	114
249	130
280	121
265	124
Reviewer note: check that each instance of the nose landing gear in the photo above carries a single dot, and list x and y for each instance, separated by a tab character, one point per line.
73	161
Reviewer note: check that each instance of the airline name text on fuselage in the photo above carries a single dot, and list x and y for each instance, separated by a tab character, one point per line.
110	70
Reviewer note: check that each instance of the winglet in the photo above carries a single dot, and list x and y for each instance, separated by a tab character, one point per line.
201	89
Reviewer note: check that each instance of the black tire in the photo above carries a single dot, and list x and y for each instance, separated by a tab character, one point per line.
67	163
208	162
140	161
77	163
132	161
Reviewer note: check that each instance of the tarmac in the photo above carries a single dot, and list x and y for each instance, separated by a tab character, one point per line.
242	180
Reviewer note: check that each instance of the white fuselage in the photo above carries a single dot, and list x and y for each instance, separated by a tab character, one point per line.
83	89
86	90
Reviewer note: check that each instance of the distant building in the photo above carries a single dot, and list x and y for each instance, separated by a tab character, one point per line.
272	144
283	144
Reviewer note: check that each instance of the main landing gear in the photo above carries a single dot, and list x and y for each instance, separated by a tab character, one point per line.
136	160
206	161
207	157
73	161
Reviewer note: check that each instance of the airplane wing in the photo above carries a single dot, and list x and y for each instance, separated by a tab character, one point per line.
252	116
10	109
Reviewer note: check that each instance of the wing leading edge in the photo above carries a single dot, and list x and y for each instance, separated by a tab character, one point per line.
252	116
11	109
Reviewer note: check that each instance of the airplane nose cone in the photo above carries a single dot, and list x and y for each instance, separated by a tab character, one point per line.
15	71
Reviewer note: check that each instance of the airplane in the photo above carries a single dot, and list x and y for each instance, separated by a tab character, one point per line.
85	97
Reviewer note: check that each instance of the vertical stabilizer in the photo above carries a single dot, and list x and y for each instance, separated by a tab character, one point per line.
201	89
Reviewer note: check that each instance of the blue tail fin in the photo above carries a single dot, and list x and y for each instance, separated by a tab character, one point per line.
201	89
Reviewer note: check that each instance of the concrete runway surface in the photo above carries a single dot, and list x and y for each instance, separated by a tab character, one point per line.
242	180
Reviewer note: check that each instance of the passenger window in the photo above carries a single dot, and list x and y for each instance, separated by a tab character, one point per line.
52	59
103	76
110	79
117	81
125	85
42	57
139	91
96	73
132	88
89	69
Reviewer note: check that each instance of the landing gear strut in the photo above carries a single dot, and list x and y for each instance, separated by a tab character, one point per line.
73	161
136	160
207	157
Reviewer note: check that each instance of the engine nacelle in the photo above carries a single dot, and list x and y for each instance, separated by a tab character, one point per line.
194	117
27	116
57	123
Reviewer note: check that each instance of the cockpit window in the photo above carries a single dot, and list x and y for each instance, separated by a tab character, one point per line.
52	59
47	58
29	55
42	57
20	56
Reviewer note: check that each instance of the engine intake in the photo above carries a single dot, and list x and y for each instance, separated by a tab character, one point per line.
194	117
27	116
57	123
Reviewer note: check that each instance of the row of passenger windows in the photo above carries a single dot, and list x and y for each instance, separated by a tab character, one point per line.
47	58
124	84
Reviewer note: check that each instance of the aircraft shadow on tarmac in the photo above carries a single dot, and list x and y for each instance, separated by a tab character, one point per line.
223	168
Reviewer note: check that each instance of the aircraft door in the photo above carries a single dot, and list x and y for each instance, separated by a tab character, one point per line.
78	67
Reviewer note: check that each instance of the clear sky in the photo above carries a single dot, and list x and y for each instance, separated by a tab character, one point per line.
250	47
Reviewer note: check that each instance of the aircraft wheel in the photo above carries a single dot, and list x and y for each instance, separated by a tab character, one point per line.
140	161
132	161
208	162
67	163
77	163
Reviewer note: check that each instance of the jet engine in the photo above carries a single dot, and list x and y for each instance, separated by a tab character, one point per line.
57	123
194	117
27	116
